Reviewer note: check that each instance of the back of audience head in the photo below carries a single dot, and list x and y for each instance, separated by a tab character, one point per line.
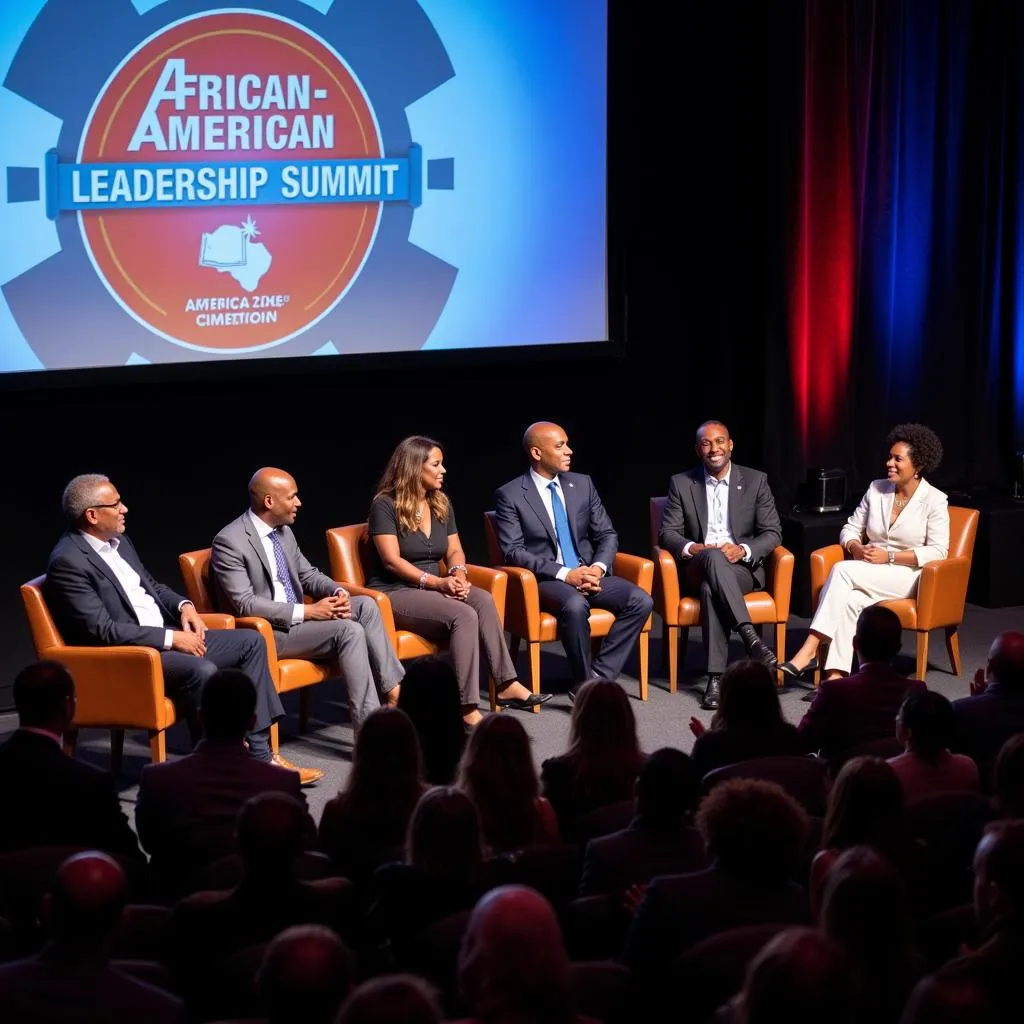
270	833
305	975
44	696
865	806
667	789
1006	659
227	707
444	835
879	634
513	964
603	744
925	723
800	977
1008	776
949	998
749	697
999	875
386	764
392	999
753	829
85	901
430	697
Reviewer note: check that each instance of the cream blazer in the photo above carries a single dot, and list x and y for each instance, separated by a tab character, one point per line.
922	527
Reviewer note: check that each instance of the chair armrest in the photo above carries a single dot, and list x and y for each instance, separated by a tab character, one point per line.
822	561
666	587
635	568
266	631
115	686
779	580
494	581
522	606
941	592
387	613
217	620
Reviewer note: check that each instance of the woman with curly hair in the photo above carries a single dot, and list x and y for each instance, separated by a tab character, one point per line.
901	523
412	525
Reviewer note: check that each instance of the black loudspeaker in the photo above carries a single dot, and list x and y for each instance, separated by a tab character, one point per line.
823	491
1018	476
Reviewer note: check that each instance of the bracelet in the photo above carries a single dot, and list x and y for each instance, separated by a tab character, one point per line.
423	581
457	568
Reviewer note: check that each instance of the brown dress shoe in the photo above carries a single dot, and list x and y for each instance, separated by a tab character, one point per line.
307	776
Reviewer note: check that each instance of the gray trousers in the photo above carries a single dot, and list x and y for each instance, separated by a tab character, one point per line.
359	648
467	625
721	585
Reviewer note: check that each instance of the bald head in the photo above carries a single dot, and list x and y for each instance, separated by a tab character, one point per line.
1006	659
274	496
547	446
305	975
86	898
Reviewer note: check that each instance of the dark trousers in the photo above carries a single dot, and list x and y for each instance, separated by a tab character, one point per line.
628	603
721	585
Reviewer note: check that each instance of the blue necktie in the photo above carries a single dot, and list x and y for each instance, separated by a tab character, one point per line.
570	557
282	568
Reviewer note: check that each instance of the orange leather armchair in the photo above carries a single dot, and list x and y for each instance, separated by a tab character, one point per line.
116	688
680	611
525	620
941	590
287	673
348	550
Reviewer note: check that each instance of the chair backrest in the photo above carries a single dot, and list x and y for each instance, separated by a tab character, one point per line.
494	556
45	635
195	574
803	778
657	514
963	528
348	552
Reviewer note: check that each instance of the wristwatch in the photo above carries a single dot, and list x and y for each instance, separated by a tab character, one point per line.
892	557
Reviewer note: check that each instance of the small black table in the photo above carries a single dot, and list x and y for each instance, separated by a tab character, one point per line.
802	533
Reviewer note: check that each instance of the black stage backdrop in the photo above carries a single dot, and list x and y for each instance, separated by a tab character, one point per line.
720	159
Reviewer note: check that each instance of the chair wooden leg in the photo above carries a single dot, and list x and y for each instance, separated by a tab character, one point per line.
644	652
822	657
70	741
275	738
922	653
492	693
953	648
157	745
116	751
670	655
780	650
534	650
304	701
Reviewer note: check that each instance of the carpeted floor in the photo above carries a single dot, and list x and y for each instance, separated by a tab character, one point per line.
661	720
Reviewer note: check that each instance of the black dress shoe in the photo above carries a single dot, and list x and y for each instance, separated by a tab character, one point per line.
757	651
710	699
525	703
787	668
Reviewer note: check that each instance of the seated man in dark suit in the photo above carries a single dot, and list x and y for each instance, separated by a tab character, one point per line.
720	522
71	980
995	710
552	522
660	840
46	797
187	809
861	707
101	595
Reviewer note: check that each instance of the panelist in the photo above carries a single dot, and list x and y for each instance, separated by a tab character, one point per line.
720	522
257	568
101	595
901	523
552	522
412	524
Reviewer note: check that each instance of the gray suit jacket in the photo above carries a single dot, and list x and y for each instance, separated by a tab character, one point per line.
753	519
242	580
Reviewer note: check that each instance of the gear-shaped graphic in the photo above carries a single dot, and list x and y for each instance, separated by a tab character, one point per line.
398	57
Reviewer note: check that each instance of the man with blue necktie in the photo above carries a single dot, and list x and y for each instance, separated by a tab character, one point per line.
552	522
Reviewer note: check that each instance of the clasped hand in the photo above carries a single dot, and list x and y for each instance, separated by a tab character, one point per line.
337	606
191	638
733	552
457	586
586	579
869	553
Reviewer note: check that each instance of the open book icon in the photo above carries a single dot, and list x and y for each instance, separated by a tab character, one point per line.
225	247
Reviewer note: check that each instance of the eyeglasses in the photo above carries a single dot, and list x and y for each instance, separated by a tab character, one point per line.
111	504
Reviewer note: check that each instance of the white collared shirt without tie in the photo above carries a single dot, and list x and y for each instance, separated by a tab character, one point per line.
718	532
542	485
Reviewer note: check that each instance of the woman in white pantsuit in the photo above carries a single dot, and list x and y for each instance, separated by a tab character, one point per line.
901	523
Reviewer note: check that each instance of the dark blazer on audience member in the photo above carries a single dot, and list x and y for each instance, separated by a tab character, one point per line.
50	799
186	809
985	722
719	747
856	709
570	800
637	854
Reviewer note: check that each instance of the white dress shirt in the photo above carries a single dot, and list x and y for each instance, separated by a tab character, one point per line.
718	532
264	531
542	485
147	611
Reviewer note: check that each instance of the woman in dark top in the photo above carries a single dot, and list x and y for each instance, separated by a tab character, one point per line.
748	722
413	527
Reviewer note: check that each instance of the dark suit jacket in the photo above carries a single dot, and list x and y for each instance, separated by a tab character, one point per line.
186	809
856	709
88	603
50	799
527	538
753	519
637	854
985	722
718	747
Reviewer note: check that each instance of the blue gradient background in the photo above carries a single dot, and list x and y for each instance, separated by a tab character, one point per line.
524	121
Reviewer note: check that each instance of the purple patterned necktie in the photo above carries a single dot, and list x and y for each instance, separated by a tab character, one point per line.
282	567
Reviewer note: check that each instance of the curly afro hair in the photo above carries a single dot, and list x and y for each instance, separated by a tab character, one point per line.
924	444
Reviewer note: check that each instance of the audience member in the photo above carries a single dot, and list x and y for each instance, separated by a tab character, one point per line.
940	999
856	709
186	809
748	722
497	773
925	727
1008	778
660	840
71	981
995	709
364	825
306	974
46	797
392	999
601	764
431	699
513	965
